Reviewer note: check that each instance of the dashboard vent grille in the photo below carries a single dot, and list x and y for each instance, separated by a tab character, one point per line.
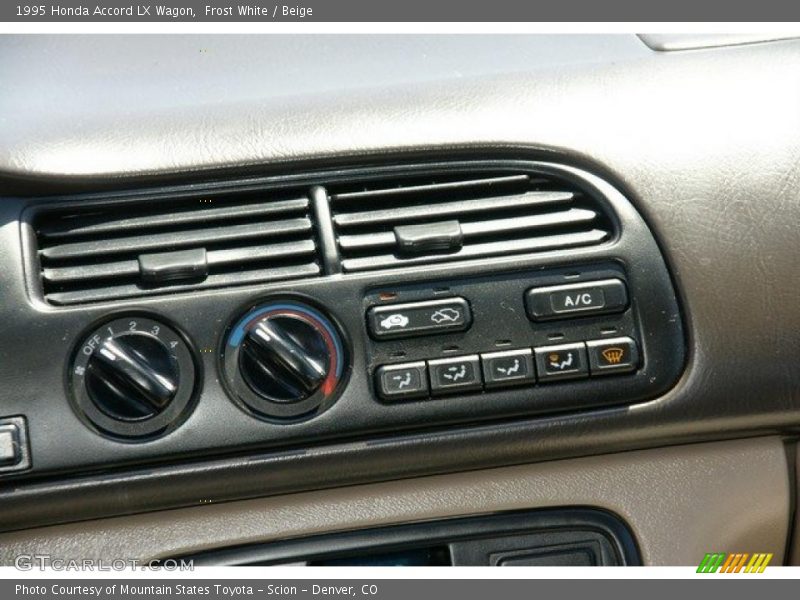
90	253
454	217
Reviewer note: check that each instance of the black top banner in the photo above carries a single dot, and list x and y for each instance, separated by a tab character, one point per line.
37	11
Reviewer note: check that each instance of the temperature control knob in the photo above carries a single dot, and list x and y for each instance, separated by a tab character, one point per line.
284	360
133	377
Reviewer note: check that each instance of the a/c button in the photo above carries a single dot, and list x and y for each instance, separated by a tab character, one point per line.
575	299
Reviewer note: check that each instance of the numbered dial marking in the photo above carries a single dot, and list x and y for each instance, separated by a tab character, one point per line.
133	377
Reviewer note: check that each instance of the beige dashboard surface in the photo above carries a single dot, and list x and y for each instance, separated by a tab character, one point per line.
680	502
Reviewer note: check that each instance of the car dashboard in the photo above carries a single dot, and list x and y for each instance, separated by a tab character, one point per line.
271	299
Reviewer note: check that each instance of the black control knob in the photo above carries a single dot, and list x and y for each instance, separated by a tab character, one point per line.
133	377
284	360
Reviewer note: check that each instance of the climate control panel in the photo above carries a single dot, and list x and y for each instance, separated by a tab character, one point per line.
341	359
546	338
453	349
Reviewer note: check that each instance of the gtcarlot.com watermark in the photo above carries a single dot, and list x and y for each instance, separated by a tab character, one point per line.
41	562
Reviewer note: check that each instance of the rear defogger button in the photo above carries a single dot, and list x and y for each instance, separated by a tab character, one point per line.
616	355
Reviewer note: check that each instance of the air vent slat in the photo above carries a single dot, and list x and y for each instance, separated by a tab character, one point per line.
157	241
366	240
478	228
430	211
213	281
434	188
252	253
215	257
123	248
85	225
419	219
124	268
569	240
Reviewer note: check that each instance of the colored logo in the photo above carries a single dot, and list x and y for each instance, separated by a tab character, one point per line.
720	562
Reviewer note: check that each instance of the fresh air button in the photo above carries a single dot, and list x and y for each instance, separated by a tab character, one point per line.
566	361
613	355
455	374
574	299
9	445
511	367
419	318
408	380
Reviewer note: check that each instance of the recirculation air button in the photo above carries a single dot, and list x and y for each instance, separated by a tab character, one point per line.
419	318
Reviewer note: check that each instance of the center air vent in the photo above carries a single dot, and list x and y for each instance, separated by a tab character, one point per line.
455	217
131	245
94	252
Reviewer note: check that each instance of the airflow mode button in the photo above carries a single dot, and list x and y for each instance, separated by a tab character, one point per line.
460	373
511	367
419	318
398	382
566	361
576	299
